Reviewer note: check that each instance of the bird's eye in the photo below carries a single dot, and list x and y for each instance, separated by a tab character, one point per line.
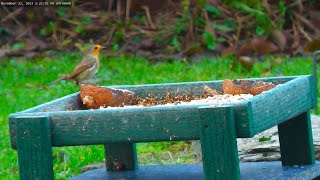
96	47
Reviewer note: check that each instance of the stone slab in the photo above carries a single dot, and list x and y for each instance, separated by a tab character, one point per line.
249	171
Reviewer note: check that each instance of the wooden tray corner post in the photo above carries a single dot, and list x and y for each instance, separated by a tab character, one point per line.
121	156
218	143
34	147
296	142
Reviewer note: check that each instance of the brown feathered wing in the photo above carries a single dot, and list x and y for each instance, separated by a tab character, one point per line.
86	63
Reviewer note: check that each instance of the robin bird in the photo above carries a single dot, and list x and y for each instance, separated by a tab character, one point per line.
87	68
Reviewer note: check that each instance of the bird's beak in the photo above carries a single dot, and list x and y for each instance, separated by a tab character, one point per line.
103	47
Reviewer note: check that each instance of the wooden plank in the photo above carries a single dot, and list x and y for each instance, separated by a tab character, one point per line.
218	143
296	143
121	156
244	125
13	130
125	125
189	87
66	103
34	148
281	103
275	80
314	92
73	101
160	90
161	123
243	119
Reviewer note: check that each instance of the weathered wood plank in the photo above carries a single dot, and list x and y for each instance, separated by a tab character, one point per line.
243	119
194	88
160	90
34	148
125	125
314	92
244	113
13	130
161	123
164	123
73	101
66	103
281	103
121	156
218	143
296	142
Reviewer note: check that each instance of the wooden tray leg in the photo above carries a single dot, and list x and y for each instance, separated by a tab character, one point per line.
34	148
296	142
121	156
218	143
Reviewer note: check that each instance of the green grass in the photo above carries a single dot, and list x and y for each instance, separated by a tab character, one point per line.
20	82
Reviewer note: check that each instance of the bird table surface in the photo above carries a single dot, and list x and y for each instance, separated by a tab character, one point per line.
143	124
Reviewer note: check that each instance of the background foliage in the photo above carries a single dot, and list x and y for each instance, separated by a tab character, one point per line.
162	29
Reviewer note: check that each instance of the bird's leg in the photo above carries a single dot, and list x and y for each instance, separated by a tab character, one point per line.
148	14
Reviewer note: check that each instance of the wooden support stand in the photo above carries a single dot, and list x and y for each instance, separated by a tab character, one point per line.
218	143
296	143
35	131
121	156
34	148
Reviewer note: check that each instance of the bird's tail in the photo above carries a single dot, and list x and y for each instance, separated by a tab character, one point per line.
57	80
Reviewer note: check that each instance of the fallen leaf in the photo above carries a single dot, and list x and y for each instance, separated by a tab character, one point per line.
3	52
228	51
244	61
31	54
277	37
259	46
30	45
312	46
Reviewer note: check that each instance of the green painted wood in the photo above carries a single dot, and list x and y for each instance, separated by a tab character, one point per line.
73	101
121	156
113	125
314	92
296	143
124	125
315	79
163	123
34	148
194	88
251	117
13	130
243	119
66	103
218	143
281	103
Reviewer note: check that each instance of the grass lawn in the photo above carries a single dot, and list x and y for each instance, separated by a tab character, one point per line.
20	82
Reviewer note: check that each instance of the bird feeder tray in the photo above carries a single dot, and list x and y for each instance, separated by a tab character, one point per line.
64	122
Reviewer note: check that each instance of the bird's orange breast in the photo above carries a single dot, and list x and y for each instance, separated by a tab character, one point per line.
95	53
